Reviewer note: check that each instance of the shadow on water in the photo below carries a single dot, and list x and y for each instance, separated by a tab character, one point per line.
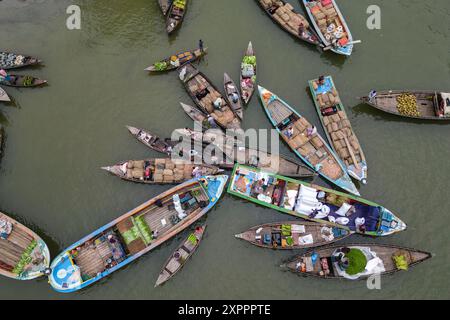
378	115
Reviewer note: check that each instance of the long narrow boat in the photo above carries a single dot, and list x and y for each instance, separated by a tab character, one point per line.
232	91
175	15
150	140
235	153
308	146
338	128
205	95
355	261
181	256
10	60
248	74
160	171
177	60
293	235
4	96
330	24
314	203
23	254
423	105
165	5
23	81
291	21
134	234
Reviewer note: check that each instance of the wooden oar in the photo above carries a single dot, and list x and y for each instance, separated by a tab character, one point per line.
350	43
350	150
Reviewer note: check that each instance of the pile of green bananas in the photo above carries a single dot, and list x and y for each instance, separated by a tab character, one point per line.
407	105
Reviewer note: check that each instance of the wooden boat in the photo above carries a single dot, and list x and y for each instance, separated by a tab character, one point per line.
150	140
231	89
4	96
365	260
181	256
292	235
134	234
248	74
431	105
204	94
165	5
238	153
313	203
278	9
338	128
23	81
175	15
312	149
160	171
9	60
330	24
23	254
182	58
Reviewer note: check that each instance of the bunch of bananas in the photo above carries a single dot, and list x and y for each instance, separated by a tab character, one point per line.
407	105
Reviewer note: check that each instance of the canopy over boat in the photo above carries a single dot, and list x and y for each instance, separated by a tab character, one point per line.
135	233
314	203
423	105
23	254
304	140
356	261
338	128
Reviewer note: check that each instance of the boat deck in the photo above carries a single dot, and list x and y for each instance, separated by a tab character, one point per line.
11	250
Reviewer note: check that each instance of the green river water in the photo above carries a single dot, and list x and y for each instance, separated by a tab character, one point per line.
58	137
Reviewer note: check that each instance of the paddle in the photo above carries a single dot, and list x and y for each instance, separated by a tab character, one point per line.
350	43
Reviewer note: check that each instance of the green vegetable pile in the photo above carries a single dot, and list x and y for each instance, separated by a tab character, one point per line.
357	262
192	239
250	60
144	229
180	4
161	66
25	259
28	81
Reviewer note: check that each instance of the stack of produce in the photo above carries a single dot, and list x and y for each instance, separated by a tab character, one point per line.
161	66
407	105
180	4
169	171
339	129
327	19
10	59
248	67
286	16
327	100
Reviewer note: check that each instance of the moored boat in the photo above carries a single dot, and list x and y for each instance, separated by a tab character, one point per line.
165	5
338	128
306	143
10	60
207	97
248	74
314	203
423	105
291	21
22	81
23	254
177	60
160	171
134	234
330	24
292	235
150	140
175	15
4	96
235	153
233	95
355	261
180	257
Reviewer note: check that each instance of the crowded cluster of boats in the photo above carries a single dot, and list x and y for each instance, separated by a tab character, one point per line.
324	216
